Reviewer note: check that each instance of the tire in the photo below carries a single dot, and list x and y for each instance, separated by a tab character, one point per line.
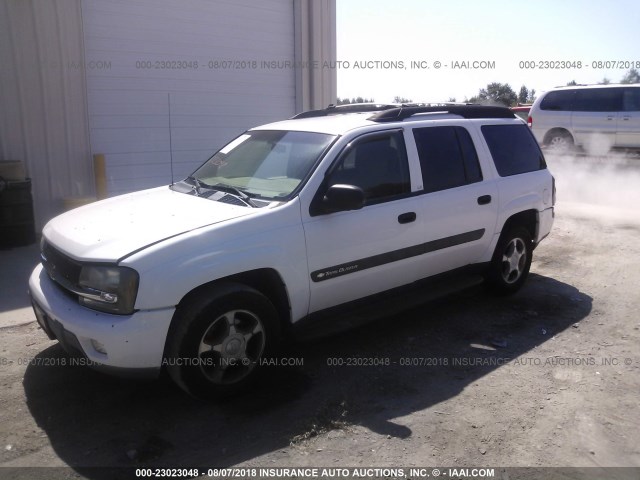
219	338
511	262
560	141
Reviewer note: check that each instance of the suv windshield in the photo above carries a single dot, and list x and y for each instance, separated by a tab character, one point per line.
268	164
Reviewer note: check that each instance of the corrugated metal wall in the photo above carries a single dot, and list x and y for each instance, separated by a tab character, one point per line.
315	43
43	119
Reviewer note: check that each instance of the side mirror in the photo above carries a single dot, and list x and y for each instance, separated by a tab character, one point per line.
340	198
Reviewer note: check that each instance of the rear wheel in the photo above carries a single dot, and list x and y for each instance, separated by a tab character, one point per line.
511	261
220	338
560	141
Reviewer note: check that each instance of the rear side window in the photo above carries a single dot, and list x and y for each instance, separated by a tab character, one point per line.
513	148
448	157
560	100
598	100
631	99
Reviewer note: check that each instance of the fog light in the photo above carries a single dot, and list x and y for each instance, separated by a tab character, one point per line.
98	347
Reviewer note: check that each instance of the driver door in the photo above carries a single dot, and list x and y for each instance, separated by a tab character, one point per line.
353	254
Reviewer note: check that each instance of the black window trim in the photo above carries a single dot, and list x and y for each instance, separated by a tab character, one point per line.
464	157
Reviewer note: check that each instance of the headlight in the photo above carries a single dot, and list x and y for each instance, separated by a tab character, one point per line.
108	289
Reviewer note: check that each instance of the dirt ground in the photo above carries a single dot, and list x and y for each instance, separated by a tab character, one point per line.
548	377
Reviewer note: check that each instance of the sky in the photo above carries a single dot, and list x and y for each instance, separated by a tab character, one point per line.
536	44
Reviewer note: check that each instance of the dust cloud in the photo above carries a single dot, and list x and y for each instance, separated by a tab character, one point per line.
606	187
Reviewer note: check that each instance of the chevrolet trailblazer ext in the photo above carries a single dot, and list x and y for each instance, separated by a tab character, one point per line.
287	221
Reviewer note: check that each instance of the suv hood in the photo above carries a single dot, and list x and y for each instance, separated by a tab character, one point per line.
111	229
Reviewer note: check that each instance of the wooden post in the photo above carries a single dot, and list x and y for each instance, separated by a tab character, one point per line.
100	172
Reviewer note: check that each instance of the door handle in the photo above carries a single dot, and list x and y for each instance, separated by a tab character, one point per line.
407	217
484	200
609	117
626	117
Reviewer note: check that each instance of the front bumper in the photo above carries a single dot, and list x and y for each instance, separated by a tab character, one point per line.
134	344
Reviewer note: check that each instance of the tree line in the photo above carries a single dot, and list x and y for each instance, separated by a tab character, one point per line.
500	93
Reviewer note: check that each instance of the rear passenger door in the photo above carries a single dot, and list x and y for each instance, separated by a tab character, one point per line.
459	200
629	119
595	118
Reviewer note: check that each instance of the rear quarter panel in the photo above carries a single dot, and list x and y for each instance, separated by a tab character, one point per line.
516	193
545	120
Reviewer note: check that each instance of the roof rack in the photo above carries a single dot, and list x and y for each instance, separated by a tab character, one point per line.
347	108
465	111
392	112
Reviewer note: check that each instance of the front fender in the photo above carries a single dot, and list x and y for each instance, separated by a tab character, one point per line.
271	239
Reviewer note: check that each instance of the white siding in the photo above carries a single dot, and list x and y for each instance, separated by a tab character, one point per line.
43	110
128	105
315	41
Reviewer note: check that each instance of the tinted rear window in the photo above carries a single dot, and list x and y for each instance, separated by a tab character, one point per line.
448	158
513	148
598	100
632	99
561	100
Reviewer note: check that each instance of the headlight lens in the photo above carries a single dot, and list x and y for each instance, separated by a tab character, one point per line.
108	288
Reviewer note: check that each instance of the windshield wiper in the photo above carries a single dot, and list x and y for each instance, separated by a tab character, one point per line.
244	196
197	185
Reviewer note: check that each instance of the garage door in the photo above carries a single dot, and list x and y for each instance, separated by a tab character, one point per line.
177	79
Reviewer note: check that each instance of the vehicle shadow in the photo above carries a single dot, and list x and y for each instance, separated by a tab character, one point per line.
17	264
94	420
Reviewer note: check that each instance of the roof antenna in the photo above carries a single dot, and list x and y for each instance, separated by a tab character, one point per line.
170	142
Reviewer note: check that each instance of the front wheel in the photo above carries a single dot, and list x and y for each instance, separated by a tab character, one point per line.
511	261
220	338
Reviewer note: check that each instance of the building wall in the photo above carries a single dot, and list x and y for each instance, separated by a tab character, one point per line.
315	41
119	77
43	109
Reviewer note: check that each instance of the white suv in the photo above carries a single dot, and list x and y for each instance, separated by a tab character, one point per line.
286	223
595	117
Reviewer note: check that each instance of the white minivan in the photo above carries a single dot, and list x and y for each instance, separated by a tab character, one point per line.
595	117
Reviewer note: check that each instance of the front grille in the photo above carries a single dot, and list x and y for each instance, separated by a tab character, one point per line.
60	267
